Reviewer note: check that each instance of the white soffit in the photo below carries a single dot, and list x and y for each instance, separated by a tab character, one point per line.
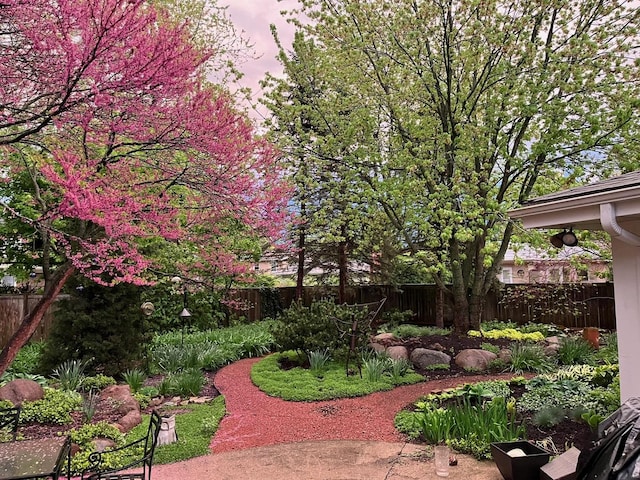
580	211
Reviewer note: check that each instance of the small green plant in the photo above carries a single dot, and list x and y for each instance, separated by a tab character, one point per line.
549	416
185	384
408	331
135	379
70	375
97	382
89	404
373	368
575	350
592	419
318	360
398	367
490	347
527	357
27	359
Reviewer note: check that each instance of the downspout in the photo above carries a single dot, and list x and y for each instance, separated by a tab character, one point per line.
610	225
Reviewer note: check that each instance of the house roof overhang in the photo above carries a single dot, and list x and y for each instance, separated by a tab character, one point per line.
581	208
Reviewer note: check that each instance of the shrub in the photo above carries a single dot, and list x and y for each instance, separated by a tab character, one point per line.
408	331
97	382
100	325
27	359
508	333
565	393
319	326
54	408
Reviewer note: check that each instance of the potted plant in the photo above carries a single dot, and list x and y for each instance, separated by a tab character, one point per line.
519	460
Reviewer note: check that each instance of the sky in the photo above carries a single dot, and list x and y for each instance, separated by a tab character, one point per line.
254	18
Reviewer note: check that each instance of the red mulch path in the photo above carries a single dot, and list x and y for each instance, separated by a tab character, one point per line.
255	419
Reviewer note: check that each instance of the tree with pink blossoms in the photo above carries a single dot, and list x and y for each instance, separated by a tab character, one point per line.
111	136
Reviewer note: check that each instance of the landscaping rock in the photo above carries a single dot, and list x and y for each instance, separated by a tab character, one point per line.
130	420
552	345
397	352
102	444
119	396
20	390
423	358
505	355
377	347
384	338
475	359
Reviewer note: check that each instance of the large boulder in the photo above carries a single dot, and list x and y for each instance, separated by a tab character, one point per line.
21	390
475	359
423	358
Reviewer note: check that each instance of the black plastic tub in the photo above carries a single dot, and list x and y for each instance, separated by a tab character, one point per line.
526	467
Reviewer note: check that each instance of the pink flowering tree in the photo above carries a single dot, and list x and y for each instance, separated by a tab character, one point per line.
111	136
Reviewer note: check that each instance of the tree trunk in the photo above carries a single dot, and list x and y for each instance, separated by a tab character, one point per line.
439	307
31	321
301	254
460	309
342	270
476	305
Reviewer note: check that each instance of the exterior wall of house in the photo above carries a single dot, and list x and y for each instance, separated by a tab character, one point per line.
626	271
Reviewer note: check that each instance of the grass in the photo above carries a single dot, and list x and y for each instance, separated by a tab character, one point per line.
302	385
195	427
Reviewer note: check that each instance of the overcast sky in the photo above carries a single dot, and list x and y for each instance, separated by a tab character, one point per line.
254	18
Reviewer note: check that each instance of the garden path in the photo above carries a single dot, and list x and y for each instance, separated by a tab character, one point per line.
255	419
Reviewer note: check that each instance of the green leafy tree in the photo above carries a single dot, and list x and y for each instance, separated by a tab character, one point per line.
337	227
455	111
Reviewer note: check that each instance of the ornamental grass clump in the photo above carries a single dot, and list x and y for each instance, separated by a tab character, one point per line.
470	426
373	368
527	357
318	361
70	375
135	379
468	418
576	351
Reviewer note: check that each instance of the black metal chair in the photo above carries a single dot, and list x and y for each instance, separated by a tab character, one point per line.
9	419
130	471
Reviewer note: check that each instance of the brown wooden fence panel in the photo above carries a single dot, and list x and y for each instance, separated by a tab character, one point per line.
592	305
585	305
13	309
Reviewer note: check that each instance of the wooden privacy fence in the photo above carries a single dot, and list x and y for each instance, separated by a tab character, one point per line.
13	308
574	306
569	305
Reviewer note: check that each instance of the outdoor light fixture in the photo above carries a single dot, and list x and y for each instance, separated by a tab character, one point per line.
565	237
